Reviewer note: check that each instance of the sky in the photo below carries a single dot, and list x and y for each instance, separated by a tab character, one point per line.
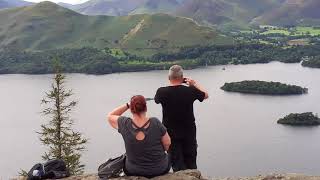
65	1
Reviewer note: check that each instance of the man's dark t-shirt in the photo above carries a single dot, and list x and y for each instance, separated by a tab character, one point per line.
177	108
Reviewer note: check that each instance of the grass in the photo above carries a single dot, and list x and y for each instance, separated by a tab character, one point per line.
247	31
116	52
299	30
299	42
144	62
308	30
264	42
277	31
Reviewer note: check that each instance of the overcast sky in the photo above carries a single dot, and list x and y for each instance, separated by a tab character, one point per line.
65	1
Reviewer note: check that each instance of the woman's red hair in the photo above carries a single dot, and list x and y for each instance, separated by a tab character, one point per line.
138	104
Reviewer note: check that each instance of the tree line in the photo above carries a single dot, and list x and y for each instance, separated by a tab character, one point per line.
99	61
313	62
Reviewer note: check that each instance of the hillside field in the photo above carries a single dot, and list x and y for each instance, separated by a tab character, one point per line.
295	31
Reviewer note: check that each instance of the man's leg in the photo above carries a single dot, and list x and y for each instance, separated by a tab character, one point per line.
190	147
176	156
190	153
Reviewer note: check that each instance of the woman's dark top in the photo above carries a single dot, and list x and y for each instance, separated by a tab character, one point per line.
145	157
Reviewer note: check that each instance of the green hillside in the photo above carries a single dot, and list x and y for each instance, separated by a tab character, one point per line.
106	7
206	11
48	26
156	6
292	13
226	14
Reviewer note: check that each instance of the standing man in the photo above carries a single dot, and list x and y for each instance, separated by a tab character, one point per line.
177	109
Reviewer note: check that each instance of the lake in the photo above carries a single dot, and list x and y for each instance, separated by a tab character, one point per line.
237	134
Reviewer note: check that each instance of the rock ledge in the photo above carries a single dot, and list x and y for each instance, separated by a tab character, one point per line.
182	175
196	175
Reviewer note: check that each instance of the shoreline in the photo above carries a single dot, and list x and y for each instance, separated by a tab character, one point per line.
151	70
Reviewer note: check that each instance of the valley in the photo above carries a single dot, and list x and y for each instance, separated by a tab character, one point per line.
32	35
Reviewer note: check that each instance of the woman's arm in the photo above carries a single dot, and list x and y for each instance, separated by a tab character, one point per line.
166	141
114	115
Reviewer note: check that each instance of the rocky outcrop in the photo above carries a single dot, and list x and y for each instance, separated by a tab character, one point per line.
196	175
183	175
275	177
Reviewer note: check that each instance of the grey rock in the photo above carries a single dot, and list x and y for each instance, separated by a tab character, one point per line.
182	175
196	175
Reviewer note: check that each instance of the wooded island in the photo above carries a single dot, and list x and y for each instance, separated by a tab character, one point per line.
263	87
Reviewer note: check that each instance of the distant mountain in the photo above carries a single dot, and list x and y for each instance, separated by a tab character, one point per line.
107	7
66	5
4	4
292	12
206	11
13	3
221	13
226	13
236	13
157	6
48	26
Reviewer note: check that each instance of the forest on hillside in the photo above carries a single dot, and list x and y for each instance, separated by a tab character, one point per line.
105	61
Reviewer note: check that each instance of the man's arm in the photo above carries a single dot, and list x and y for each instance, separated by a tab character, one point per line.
166	141
193	83
157	97
202	89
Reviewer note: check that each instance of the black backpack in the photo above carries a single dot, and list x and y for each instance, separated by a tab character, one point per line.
112	168
53	169
36	172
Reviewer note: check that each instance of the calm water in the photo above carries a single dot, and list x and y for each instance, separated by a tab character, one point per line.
238	134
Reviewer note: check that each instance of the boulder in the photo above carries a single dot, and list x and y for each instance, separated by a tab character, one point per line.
182	175
196	175
274	177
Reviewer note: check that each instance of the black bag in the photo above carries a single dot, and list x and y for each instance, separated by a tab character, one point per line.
36	172
112	168
56	169
53	169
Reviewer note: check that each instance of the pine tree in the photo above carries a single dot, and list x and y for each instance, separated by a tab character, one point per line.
57	134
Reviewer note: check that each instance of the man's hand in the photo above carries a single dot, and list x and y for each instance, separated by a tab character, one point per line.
193	83
190	82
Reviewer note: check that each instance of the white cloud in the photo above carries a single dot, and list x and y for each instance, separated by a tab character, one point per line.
65	1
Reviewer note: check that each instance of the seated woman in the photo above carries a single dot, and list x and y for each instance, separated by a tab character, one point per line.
146	139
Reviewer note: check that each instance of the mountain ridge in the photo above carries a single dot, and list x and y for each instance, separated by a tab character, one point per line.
224	14
206	12
106	7
47	25
13	3
156	6
292	13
